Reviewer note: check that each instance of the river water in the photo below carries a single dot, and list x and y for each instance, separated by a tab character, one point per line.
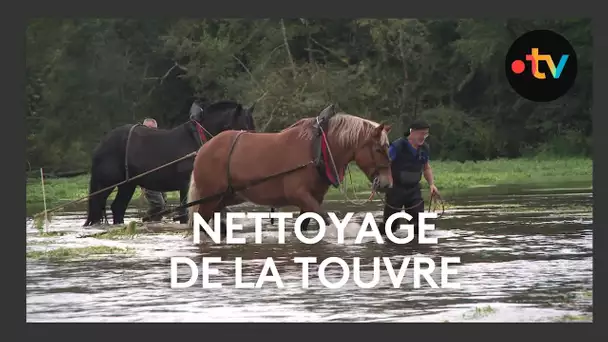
525	257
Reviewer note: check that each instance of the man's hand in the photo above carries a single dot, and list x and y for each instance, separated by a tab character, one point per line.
434	190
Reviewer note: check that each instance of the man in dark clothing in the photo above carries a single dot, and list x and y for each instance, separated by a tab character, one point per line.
156	200
409	162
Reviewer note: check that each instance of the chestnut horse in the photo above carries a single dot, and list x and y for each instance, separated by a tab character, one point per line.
232	161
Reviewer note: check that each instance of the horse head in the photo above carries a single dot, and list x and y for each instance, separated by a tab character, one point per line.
248	116
352	138
223	115
372	158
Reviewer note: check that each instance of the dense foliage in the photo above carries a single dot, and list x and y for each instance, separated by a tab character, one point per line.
86	76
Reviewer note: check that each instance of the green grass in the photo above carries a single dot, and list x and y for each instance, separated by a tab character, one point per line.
454	176
450	177
68	253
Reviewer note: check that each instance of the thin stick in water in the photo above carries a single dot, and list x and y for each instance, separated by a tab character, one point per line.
46	221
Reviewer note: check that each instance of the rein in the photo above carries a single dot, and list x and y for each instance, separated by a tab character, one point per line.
230	189
189	155
342	185
201	131
357	202
234	189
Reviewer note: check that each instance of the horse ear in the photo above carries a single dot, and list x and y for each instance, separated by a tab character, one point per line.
378	131
196	111
237	112
387	128
328	112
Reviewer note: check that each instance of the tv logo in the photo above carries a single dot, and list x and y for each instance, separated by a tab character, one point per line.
518	66
537	77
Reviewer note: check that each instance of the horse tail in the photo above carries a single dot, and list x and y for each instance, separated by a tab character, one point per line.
95	212
193	195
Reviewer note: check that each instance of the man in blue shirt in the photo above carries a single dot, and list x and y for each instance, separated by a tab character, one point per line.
409	162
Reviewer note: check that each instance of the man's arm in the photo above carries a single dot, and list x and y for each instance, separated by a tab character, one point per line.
427	170
428	174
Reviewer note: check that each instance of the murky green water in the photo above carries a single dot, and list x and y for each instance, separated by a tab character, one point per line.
524	257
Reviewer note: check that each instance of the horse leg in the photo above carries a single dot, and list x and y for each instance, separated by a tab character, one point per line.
103	200
97	208
206	211
119	206
308	203
223	229
97	201
305	223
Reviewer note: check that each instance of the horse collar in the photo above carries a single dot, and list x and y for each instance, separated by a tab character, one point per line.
201	131
322	155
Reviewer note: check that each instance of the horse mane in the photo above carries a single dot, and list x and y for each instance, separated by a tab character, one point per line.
346	128
221	105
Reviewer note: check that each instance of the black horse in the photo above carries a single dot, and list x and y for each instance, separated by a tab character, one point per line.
130	150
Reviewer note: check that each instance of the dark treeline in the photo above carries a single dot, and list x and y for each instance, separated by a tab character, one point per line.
86	76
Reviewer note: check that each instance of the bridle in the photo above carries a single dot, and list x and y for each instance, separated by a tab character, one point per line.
374	174
377	168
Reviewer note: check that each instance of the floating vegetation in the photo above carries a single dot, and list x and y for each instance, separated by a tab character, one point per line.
572	297
133	229
480	312
51	234
575	318
67	253
39	221
586	294
129	231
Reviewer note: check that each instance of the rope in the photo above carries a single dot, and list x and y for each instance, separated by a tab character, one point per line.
171	208
189	155
128	179
204	129
342	186
234	189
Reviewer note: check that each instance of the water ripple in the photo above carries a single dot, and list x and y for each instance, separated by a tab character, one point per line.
523	258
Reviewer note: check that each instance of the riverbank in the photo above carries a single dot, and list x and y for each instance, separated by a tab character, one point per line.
452	178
